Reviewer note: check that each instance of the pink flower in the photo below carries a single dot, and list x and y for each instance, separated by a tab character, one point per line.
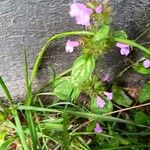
124	48
106	77
70	45
98	128
146	63
109	95
99	9
100	102
81	13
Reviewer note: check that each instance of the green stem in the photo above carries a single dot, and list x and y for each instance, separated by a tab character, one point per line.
134	44
57	36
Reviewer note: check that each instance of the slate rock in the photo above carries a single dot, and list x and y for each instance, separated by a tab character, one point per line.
28	23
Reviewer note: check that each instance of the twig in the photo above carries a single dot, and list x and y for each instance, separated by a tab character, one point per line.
117	111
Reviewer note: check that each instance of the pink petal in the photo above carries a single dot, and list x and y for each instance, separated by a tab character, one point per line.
100	102
121	45
75	9
106	77
69	49
124	51
109	95
81	13
73	43
146	63
98	128
99	9
83	20
124	48
70	45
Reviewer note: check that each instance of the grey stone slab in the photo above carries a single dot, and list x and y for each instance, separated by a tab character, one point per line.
28	23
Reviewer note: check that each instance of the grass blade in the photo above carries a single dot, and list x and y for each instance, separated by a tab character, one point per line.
81	114
15	115
66	145
28	102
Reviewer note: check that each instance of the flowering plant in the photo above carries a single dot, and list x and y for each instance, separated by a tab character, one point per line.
97	40
81	92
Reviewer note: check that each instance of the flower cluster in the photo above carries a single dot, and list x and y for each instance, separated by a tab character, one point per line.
82	14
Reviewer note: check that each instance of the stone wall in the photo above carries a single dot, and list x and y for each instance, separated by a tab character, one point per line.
28	23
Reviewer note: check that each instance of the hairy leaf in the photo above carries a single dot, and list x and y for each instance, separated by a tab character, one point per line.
82	69
64	90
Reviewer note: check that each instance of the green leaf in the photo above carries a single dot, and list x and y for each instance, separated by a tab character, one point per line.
113	143
114	140
141	118
5	145
120	34
141	69
102	33
124	141
145	93
95	109
90	127
64	90
120	98
100	138
146	56
82	69
2	116
2	136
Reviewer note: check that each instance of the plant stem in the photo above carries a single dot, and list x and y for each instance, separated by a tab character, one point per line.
127	68
134	44
57	36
